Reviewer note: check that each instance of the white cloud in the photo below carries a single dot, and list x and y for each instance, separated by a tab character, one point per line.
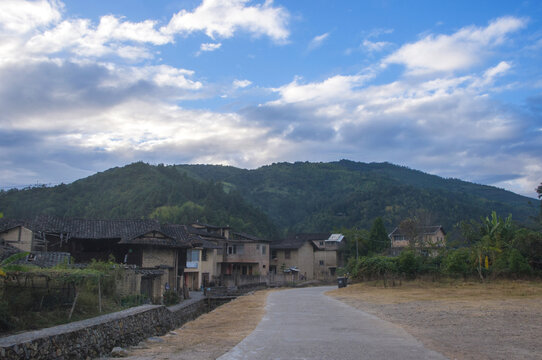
241	83
333	88
210	46
317	41
376	45
108	37
461	50
500	69
23	16
223	18
414	121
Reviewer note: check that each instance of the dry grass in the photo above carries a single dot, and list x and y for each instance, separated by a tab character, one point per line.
441	291
462	320
210	335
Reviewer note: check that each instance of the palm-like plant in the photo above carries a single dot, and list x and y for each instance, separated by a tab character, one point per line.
7	264
495	236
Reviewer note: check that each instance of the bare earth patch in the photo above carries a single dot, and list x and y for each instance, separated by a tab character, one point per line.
498	320
210	335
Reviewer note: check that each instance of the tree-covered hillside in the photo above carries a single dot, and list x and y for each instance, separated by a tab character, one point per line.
271	200
140	191
321	196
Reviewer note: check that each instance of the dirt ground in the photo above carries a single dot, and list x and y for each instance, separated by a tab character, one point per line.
498	320
210	335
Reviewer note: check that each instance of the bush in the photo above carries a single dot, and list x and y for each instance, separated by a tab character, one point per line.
133	300
376	266
171	298
517	264
408	263
458	263
6	321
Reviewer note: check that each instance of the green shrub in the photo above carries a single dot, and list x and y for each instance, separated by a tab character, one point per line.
408	263
133	300
458	263
171	298
517	264
376	266
6	321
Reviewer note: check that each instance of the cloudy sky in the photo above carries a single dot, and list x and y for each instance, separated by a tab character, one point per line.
453	88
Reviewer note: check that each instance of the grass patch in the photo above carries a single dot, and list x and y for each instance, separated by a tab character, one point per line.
417	290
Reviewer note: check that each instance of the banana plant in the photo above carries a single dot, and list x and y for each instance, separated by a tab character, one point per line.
7	264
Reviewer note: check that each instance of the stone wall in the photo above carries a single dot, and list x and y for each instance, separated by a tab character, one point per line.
97	336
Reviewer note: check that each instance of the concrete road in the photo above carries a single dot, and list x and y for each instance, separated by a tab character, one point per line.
306	324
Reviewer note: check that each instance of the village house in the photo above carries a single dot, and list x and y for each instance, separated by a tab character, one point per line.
157	253
427	238
307	256
225	256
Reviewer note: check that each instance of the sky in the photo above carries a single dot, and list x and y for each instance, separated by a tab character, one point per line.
452	88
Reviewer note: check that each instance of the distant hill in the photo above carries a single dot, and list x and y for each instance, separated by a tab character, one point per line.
140	191
307	196
271	200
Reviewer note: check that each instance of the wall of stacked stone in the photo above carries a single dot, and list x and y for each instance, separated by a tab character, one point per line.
98	336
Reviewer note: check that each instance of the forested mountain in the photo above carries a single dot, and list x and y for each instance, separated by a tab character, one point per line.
140	191
322	196
271	200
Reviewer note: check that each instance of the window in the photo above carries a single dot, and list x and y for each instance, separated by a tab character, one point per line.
321	243
192	255
273	254
321	262
236	249
204	255
257	246
263	249
286	254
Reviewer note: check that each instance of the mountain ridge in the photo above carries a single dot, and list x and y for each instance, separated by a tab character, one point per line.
271	200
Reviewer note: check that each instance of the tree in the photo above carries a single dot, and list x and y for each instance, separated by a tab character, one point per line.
356	243
495	234
539	192
411	229
378	237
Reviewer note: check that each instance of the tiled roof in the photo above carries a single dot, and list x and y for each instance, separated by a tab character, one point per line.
37	258
205	244
128	231
46	259
6	250
195	231
422	230
210	226
245	236
296	241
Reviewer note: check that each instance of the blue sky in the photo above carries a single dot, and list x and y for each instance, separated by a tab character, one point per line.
453	88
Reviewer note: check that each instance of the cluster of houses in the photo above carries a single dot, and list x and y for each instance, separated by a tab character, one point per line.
171	256
177	257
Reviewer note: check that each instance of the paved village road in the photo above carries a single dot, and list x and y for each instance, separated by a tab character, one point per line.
306	324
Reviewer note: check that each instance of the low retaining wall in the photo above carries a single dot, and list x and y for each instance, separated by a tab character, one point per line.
98	336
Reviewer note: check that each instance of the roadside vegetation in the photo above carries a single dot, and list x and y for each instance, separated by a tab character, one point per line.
33	298
491	248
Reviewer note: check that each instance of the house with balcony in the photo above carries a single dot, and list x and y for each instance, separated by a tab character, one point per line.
225	255
307	256
426	239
